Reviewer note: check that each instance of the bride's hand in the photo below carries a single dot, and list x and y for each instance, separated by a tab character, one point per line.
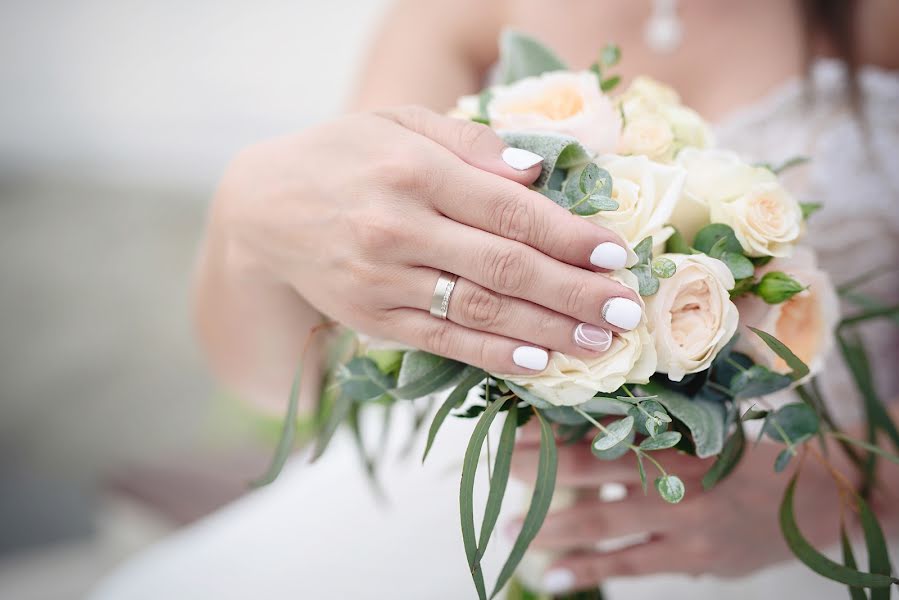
728	531
360	215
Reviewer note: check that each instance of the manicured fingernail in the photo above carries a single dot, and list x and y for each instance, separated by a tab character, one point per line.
521	160
609	255
632	258
528	357
592	337
558	581
622	312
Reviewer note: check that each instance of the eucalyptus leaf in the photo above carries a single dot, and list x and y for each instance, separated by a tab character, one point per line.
795	420
663	267
559	152
287	436
816	561
642	471
758	381
799	368
607	85
340	407
423	373
540	500
712	234
564	415
361	380
643	250
610	55
878	552
601	406
522	56
677	244
616	451
670	488
528	396
704	418
727	460
614	433
499	480
740	266
664	440
782	460
648	284
472	377
648	424
849	560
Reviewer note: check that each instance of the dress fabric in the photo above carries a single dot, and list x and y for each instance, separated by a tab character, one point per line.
319	532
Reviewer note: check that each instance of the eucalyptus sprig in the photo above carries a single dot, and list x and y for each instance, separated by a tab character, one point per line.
649	270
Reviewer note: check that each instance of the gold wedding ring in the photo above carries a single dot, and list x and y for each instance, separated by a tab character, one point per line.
442	292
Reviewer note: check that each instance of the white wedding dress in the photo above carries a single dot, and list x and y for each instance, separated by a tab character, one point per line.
319	533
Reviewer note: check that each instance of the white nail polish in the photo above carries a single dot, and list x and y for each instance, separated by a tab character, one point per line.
521	160
609	255
531	358
558	581
622	312
632	258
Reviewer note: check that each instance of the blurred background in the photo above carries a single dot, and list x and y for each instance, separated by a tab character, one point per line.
116	120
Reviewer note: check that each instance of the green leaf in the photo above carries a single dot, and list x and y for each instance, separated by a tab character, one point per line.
648	284
484	99
676	244
776	287
473	377
607	85
616	451
540	501
522	56
499	480
799	368
816	561
787	164
642	470
704	419
466	493
423	373
643	250
663	267
742	286
757	381
338	412
783	459
615	432
670	488
559	152
712	234
878	553
644	420
564	415
849	560
809	208
527	396
727	460
601	406
740	266
667	439
795	420
610	55
362	380
287	436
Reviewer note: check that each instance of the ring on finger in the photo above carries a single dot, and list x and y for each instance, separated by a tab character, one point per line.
442	292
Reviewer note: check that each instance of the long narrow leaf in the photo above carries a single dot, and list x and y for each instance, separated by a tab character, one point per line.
466	493
456	397
855	593
288	434
339	410
540	501
816	561
499	480
728	459
799	368
878	554
431	381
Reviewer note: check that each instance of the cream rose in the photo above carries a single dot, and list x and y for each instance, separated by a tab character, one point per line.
805	322
646	192
766	219
691	317
560	102
570	381
656	124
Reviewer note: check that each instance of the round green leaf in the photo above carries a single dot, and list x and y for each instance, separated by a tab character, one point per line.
667	439
615	433
797	420
670	488
663	267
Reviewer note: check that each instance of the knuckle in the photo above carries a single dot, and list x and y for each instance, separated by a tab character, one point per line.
472	134
482	308
507	269
513	218
442	340
575	297
402	168
377	232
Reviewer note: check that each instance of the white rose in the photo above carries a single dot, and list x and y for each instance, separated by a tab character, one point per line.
805	322
570	381
766	219
560	102
646	192
656	124
691	317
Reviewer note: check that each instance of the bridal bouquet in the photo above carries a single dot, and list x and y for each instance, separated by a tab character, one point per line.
735	310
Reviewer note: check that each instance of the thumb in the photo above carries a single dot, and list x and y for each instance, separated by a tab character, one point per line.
475	143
